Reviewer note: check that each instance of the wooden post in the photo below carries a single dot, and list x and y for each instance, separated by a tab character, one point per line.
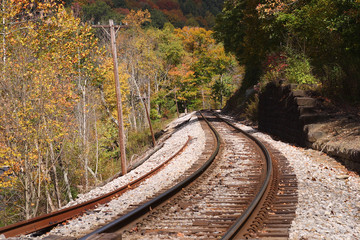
118	97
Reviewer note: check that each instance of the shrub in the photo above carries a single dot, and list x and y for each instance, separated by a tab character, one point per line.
298	70
290	67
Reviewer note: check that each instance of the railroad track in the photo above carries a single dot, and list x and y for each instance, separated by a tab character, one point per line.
248	191
217	204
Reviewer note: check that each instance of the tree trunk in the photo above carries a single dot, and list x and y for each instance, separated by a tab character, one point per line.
221	91
27	180
83	122
133	78
85	143
47	192
38	177
97	148
56	180
49	201
66	179
92	173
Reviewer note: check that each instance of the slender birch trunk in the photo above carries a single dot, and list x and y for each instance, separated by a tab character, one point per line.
56	180
133	114
38	176
83	131
47	191
97	148
27	182
85	143
49	201
66	179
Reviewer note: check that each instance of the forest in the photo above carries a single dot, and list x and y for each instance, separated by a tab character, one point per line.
180	13
58	117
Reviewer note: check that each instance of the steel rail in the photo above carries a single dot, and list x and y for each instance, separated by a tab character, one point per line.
51	219
148	206
234	229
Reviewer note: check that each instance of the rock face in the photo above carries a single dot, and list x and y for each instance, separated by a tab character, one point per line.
294	116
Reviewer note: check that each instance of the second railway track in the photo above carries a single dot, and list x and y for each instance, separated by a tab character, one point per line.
210	207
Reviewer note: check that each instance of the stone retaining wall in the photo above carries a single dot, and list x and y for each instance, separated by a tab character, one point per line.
284	112
295	117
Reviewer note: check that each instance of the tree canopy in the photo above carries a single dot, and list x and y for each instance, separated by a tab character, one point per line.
323	33
179	13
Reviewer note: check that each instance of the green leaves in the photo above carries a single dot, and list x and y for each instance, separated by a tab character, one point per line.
299	70
326	32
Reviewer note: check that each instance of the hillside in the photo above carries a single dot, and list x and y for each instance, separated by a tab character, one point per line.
180	13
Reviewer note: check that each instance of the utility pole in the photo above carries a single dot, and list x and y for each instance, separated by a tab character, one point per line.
118	92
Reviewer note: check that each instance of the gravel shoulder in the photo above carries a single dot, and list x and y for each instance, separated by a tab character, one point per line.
329	194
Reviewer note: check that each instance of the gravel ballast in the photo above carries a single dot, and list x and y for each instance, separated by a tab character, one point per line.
329	194
177	166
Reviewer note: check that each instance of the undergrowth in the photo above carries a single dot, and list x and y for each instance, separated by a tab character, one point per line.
139	141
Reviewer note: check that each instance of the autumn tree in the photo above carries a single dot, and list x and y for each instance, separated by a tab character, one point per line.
208	59
51	56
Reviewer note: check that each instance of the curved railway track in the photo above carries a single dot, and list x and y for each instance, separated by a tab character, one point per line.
241	190
240	194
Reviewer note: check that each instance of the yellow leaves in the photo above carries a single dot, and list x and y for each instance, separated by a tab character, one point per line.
195	38
17	10
44	62
7	180
137	18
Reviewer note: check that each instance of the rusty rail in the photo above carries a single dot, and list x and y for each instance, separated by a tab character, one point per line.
51	219
234	229
145	208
